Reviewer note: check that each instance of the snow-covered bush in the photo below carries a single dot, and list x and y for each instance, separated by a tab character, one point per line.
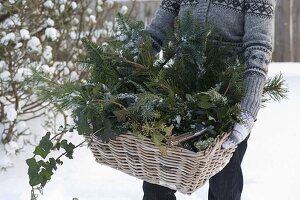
43	35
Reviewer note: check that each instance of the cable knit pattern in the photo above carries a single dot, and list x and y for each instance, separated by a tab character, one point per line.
246	22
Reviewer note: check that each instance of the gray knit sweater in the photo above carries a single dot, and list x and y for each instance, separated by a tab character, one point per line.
244	24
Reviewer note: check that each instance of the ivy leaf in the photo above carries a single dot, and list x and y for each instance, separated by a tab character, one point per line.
33	172
41	152
58	161
45	174
205	104
52	163
69	147
204	100
45	142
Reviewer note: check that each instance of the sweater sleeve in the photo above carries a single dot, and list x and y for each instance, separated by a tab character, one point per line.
162	22
258	47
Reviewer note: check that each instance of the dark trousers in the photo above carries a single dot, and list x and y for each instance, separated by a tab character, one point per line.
225	185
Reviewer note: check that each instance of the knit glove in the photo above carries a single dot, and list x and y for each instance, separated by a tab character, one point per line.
240	131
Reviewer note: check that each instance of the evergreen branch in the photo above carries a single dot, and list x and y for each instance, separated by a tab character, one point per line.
275	88
113	102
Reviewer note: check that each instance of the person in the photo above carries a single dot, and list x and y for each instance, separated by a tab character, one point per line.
246	25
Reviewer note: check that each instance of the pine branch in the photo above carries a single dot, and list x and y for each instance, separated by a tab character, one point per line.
275	89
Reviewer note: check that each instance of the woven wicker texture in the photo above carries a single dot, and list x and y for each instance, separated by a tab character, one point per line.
180	169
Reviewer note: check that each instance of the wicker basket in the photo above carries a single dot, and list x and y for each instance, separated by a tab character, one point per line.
180	169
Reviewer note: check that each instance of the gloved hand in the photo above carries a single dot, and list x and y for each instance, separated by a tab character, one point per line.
240	130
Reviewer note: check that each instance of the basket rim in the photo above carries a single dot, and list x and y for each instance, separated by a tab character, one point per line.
216	143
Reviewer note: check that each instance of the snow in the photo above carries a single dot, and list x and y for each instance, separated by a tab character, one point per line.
8	23
7	38
51	33
34	45
50	22
22	127
11	147
5	161
271	164
99	9
11	113
1	130
93	19
49	4
5	76
19	77
47	53
124	10
3	65
44	68
109	3
89	11
178	119
62	8
99	2
73	5
18	45
24	34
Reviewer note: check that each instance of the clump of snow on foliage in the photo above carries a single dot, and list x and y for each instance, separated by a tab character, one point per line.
34	45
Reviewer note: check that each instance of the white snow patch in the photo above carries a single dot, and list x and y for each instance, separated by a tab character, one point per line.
3	65
5	75
124	10
73	5
109	3
19	77
11	147
51	33
24	34
49	4
34	45
18	45
50	22
7	38
99	9
5	160
11	113
1	130
23	128
178	119
93	19
47	53
8	23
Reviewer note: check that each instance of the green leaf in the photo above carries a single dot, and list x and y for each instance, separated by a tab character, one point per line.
69	147
157	138
163	150
33	172
168	130
45	142
41	152
52	163
45	174
58	161
205	104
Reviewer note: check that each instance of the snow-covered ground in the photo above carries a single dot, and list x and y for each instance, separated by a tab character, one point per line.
271	165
